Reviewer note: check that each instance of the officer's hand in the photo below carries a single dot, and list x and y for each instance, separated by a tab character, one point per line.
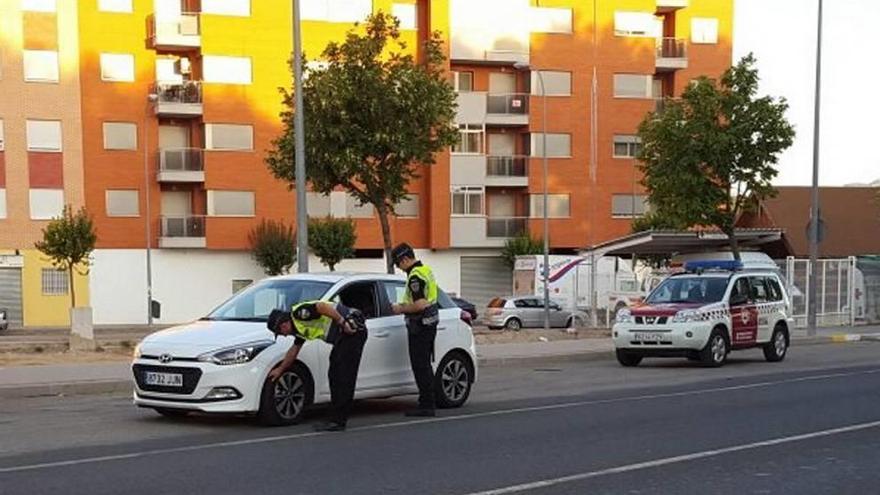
276	373
347	328
395	308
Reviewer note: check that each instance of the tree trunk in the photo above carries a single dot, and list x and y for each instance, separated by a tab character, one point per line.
72	289
734	244
386	237
332	266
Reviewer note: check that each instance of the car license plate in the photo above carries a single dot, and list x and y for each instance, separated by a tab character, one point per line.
647	336
163	379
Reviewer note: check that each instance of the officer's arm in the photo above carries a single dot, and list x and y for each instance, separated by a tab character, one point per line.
420	300
289	359
329	310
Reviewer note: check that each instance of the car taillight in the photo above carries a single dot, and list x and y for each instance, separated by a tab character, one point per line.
465	317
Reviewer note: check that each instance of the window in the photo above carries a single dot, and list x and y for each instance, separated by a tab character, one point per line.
231	203
122	203
40	66
2	203
759	292
114	6
406	12
258	300
468	200
43	135
558	145
550	20
336	10
354	209
740	289
633	86
636	24
558	205
689	290
38	5
463	81
556	83
704	30
1	136
395	291
240	8
46	204
166	72
226	70
318	204
120	136
240	285
627	146
54	282
408	207
229	137
117	67
628	205
470	139
775	289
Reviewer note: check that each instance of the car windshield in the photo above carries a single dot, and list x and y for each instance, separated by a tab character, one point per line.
257	301
699	290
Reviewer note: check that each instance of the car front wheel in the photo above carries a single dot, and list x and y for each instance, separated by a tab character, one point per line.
453	380
714	354
775	350
282	402
628	358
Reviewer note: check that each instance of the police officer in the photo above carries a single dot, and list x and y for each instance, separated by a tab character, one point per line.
338	325
419	305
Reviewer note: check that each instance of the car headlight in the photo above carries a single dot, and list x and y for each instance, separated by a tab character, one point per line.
137	352
688	315
624	316
235	355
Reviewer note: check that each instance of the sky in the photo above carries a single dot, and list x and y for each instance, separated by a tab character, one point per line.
782	35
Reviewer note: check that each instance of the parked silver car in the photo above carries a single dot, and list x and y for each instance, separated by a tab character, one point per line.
515	312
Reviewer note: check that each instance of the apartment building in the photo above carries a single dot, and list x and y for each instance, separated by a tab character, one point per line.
172	104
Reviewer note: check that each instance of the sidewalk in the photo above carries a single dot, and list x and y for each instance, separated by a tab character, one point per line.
68	379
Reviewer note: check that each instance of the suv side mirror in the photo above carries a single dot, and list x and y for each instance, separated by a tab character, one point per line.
738	299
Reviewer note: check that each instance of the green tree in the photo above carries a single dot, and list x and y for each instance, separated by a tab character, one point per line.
332	240
273	246
708	154
68	241
372	115
521	245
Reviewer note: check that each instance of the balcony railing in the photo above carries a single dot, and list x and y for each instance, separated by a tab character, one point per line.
503	227
671	48
183	31
190	226
508	104
186	92
507	166
181	160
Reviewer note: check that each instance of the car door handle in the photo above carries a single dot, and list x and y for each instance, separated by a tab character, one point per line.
381	335
440	329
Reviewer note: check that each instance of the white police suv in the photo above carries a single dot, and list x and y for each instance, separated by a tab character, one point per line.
703	313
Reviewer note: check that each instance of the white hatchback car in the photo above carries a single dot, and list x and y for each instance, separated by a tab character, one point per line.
220	364
704	314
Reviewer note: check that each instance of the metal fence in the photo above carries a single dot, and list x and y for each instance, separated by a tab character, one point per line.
835	291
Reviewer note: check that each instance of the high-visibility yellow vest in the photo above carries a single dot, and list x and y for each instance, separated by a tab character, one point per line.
317	329
425	274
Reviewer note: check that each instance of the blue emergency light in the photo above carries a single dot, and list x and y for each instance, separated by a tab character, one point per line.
702	265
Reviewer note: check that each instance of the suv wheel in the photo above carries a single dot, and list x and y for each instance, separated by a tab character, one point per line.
714	354
628	358
775	350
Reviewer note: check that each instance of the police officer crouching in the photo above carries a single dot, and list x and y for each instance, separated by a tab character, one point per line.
343	328
419	305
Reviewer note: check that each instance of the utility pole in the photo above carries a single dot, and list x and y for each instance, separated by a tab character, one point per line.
299	138
814	226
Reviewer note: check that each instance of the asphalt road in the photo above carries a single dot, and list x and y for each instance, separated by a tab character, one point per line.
808	425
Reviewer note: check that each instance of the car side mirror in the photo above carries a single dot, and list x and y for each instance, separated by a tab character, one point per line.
738	300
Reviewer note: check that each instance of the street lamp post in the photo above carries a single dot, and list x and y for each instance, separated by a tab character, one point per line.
814	226
151	99
546	271
302	222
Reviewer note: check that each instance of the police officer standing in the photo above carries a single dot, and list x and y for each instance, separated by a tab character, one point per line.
419	305
338	325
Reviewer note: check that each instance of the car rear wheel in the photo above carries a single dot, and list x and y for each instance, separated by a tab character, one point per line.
513	324
775	350
172	413
453	380
283	402
628	358
714	354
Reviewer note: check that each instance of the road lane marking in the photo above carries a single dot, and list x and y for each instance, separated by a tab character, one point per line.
535	485
442	419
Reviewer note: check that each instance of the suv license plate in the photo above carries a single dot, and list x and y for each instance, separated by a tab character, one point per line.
163	379
648	336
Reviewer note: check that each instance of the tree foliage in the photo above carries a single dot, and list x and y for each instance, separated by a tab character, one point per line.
711	154
332	240
522	245
273	246
68	241
372	115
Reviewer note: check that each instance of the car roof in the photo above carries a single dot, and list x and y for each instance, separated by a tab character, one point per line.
725	273
336	277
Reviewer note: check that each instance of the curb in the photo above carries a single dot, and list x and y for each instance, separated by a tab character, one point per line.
520	360
69	388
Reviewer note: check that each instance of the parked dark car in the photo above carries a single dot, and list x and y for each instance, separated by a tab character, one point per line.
4	319
467	307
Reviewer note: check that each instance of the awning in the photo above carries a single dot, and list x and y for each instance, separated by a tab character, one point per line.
670	243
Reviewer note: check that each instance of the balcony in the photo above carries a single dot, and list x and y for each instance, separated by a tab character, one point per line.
481	232
507	109
507	171
178	99
664	6
662	103
671	54
181	165
183	232
178	33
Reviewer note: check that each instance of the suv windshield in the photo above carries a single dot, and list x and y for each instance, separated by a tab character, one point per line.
699	290
257	301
